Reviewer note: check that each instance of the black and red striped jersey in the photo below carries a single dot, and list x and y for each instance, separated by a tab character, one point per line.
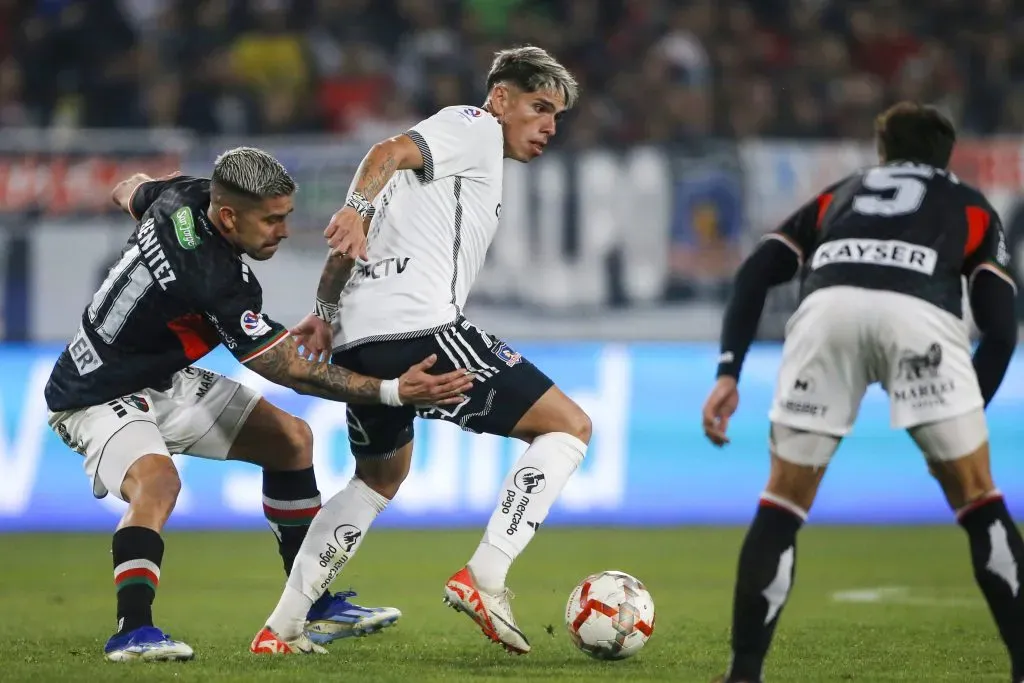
903	227
177	291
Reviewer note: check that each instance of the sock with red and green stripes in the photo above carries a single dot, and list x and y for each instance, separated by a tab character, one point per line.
290	502
137	552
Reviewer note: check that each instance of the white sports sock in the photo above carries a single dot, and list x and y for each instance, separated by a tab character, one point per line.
529	491
332	539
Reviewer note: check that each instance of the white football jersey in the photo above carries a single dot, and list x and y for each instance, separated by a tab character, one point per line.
429	234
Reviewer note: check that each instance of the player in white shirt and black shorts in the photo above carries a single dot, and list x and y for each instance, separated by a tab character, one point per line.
419	218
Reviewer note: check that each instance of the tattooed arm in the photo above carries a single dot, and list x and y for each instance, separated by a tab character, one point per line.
399	153
282	365
346	233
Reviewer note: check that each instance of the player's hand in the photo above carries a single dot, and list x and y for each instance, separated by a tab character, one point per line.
345	234
314	338
418	387
721	404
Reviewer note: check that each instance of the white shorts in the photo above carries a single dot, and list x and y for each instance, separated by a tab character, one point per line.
201	414
841	340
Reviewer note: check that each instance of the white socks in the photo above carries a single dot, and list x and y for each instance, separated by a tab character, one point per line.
529	491
332	539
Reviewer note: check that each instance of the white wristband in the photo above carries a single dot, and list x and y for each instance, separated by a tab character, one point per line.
389	393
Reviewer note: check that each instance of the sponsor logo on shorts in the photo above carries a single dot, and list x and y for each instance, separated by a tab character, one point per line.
206	381
253	324
803	384
185	229
805	408
894	253
915	366
921	371
506	354
925	395
530	480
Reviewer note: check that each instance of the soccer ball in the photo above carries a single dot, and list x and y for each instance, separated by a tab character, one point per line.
610	615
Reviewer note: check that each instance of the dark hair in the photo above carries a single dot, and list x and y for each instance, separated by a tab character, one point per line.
909	131
531	69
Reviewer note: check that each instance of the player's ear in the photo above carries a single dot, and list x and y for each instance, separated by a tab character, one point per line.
501	97
228	217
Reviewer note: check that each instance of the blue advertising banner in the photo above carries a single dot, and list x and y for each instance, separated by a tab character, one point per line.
649	463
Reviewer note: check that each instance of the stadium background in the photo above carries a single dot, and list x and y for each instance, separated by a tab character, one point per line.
702	124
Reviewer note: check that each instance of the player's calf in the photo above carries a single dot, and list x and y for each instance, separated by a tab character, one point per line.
767	564
151	486
997	549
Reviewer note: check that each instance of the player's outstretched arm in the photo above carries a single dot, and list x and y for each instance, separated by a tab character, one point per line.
283	365
123	191
346	233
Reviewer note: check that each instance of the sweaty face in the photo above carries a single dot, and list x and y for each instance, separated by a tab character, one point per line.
529	120
259	229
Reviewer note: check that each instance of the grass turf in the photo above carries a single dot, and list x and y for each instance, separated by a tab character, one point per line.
216	589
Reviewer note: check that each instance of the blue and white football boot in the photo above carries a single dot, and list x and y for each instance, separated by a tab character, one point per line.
333	617
148	644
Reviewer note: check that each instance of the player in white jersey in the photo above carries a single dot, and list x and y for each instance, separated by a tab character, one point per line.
420	215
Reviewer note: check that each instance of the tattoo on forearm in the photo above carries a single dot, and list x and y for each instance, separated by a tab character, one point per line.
283	365
374	174
336	273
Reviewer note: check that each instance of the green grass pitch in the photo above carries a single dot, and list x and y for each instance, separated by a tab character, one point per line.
57	598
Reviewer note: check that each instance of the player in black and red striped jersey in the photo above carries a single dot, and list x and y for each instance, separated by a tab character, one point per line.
881	256
125	395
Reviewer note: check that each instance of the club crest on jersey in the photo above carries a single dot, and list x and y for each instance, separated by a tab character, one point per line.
506	354
185	229
254	325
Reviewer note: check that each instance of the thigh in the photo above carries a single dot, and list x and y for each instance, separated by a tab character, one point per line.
98	433
825	368
203	412
506	384
928	375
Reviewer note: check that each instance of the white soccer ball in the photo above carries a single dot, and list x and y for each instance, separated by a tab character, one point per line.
610	615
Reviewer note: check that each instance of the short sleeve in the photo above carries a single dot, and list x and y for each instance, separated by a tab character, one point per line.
799	232
985	247
233	305
146	193
457	141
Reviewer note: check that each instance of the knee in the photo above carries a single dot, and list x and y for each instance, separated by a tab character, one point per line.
384	476
300	440
298	451
152	482
580	425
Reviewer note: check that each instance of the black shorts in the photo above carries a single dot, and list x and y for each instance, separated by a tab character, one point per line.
505	387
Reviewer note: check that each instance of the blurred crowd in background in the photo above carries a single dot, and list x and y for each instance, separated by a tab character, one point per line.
651	70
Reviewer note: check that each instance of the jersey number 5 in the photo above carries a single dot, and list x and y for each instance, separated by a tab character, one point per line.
906	184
